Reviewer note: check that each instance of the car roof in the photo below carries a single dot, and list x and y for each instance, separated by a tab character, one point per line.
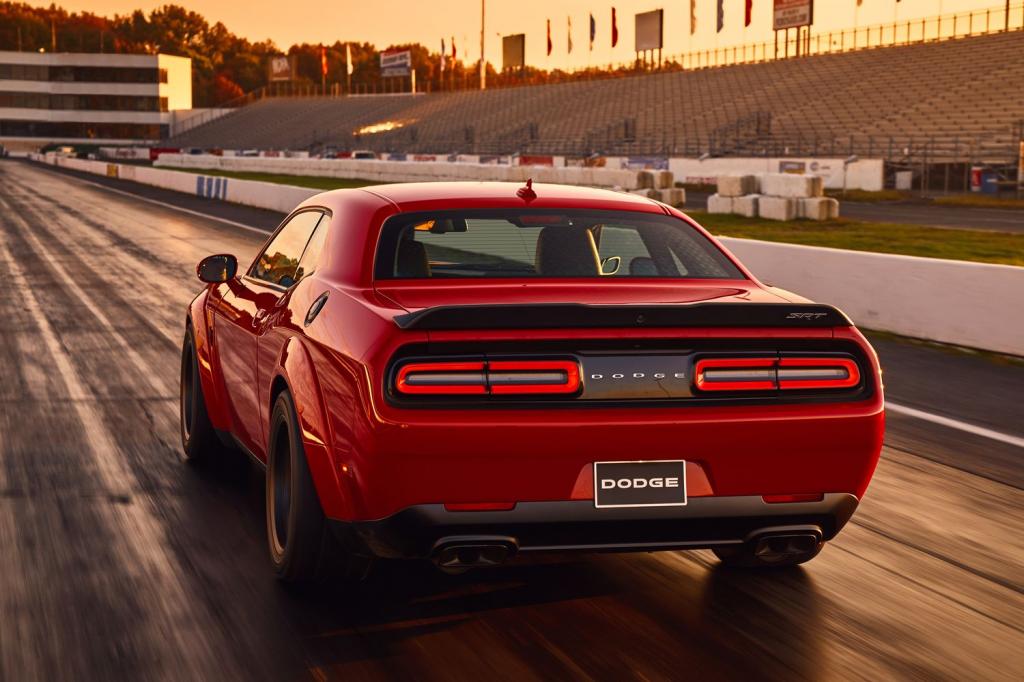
432	195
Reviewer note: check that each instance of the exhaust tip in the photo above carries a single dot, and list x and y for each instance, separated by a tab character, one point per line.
457	556
772	548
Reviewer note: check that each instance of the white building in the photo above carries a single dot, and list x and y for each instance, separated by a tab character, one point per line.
95	98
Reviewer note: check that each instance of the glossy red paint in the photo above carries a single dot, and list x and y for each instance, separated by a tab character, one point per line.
371	457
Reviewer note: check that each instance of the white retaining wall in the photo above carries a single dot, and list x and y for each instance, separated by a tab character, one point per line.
968	304
405	171
866	174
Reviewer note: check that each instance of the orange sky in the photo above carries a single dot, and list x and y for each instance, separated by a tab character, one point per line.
396	21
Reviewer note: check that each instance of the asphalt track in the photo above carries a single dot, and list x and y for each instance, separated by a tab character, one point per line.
120	561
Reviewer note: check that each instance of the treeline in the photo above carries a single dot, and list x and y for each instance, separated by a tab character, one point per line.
226	66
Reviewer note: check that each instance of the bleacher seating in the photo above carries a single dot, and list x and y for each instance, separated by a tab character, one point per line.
946	98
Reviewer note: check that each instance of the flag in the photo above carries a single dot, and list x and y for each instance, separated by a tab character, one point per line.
721	15
593	31
444	53
693	17
323	60
750	11
549	38
569	34
615	30
348	58
454	53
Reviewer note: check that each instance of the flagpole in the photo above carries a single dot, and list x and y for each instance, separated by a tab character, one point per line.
483	62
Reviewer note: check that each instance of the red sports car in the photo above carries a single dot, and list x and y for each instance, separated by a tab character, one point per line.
463	372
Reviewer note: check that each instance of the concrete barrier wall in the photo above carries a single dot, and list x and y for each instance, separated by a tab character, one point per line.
968	304
866	174
267	195
405	171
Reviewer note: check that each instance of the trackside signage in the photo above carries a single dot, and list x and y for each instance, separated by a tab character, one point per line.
792	13
395	63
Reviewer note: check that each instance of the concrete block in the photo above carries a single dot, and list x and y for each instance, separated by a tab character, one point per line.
736	185
648	192
645	179
777	208
790	185
719	204
818	208
746	206
673	196
664	179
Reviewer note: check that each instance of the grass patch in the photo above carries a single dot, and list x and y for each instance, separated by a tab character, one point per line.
870	197
311	181
910	240
978	201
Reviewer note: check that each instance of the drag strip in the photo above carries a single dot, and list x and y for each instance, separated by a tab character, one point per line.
123	562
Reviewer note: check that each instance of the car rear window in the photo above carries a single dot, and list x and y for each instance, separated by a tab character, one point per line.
523	243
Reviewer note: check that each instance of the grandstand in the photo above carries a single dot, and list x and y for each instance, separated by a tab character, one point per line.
953	100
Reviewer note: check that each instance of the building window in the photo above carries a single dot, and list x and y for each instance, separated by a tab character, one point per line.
163	75
42	100
83	131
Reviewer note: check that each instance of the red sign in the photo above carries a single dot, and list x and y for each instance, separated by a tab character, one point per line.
793	13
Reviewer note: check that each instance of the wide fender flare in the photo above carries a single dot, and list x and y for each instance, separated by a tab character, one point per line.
200	318
332	484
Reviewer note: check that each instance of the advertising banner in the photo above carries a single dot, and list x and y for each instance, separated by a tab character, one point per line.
282	68
649	31
395	63
792	13
513	52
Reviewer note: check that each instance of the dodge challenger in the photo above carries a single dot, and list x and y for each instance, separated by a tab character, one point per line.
466	372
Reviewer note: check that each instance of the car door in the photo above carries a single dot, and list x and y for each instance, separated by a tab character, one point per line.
242	310
287	317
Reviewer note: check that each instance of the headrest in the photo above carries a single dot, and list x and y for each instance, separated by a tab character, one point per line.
412	259
567	252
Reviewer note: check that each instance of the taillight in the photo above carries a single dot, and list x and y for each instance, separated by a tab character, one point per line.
530	376
769	374
499	377
442	378
736	374
808	373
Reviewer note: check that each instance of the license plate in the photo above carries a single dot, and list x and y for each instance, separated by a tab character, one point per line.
640	484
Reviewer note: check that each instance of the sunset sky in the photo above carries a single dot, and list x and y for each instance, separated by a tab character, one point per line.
398	21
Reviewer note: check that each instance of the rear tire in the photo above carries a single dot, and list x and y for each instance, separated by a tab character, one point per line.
198	439
747	556
302	547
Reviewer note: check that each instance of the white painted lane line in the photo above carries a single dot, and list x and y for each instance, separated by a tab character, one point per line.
955	424
181	209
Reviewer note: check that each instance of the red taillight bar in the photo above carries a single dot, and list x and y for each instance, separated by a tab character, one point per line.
525	376
442	378
767	374
511	377
804	373
736	374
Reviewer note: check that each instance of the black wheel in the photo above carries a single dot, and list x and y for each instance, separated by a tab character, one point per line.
302	547
198	439
771	552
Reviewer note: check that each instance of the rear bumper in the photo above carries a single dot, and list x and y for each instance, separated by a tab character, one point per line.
419	531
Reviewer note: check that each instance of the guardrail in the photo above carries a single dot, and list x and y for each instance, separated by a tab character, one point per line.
941	300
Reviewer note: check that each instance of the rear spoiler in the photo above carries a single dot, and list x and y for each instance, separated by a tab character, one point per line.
581	316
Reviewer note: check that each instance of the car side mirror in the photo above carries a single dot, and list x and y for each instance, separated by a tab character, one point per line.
217	269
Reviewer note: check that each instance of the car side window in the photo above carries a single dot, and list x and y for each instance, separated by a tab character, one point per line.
310	260
280	260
